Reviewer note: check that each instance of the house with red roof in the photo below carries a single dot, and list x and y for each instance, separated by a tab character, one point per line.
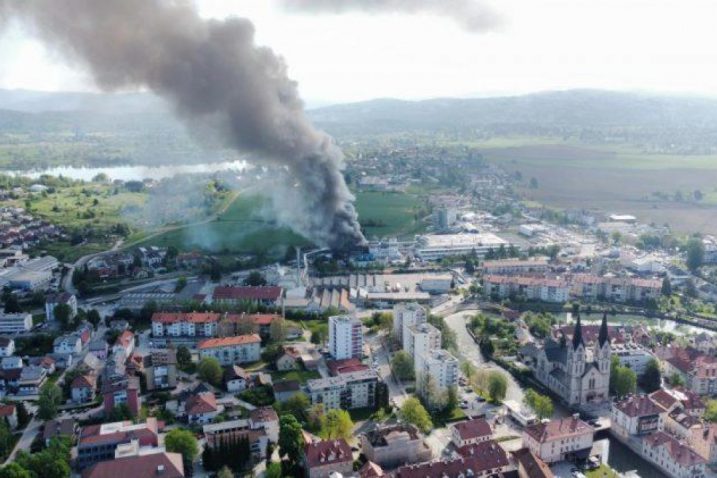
559	439
202	408
9	412
671	456
232	350
470	432
483	459
99	442
83	387
637	415
124	342
153	465
323	458
121	390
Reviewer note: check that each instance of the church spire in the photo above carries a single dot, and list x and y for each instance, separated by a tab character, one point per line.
603	335
578	334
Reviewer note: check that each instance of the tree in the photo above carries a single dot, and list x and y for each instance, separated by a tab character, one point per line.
413	412
336	424
651	380
23	417
542	405
695	253
690	288
63	314
225	472
182	442
711	411
184	357
210	371
451	399
291	439
273	470
278	330
296	405
666	287
94	317
50	398
181	284
402	365
12	306
624	381
13	470
497	386
468	369
676	380
255	279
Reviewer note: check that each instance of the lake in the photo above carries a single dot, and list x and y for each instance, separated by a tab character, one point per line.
134	173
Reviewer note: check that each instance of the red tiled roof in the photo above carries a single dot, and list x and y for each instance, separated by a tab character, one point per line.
479	460
264	414
199	404
679	452
246	293
370	470
229	341
84	381
663	398
125	338
475	428
533	466
191	317
143	466
7	410
639	406
327	452
264	319
557	428
337	367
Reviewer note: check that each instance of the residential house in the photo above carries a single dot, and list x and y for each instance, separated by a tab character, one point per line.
160	369
545	289
32	378
8	412
470	432
485	459
289	359
83	388
67	344
98	348
322	459
266	418
15	323
285	389
227	431
393	445
121	390
559	439
11	362
59	427
530	466
236	379
125	342
671	456
202	408
637	415
7	346
698	371
232	350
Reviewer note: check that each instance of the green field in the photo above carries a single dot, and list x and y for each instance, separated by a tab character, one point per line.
245	228
389	214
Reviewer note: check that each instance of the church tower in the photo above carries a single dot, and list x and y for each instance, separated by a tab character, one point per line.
576	364
602	347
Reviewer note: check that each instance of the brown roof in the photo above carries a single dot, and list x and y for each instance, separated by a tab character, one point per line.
84	381
337	367
229	341
144	466
191	317
679	452
484	456
663	398
264	414
475	428
246	293
125	338
557	428
534	466
202	403
57	427
327	452
639	406
370	470
7	410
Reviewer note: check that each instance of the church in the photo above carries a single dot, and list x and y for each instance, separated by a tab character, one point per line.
579	375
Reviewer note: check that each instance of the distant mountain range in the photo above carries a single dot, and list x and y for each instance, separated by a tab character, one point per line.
575	112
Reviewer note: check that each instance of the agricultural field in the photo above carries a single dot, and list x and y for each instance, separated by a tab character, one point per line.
617	180
390	214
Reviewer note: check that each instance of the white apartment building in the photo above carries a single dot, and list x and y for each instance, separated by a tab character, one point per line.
440	368
532	288
406	315
232	350
345	337
346	391
633	356
420	340
537	265
637	415
194	324
559	440
15	323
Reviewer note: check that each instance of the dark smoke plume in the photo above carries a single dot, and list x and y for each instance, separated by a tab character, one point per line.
471	15
219	81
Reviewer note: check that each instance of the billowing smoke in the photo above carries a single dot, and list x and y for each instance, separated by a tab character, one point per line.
472	15
220	82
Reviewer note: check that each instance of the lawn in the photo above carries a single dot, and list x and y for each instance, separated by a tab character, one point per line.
300	375
603	471
389	214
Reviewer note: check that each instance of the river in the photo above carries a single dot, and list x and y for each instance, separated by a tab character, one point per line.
134	173
622	459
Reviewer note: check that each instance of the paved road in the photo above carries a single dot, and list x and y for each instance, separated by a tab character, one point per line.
28	435
469	350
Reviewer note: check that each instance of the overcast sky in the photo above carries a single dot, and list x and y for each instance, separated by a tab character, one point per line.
645	45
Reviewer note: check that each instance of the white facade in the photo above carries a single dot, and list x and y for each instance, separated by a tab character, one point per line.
67	344
420	340
229	352
441	368
347	391
15	323
184	329
633	356
345	337
436	246
406	315
558	439
7	347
